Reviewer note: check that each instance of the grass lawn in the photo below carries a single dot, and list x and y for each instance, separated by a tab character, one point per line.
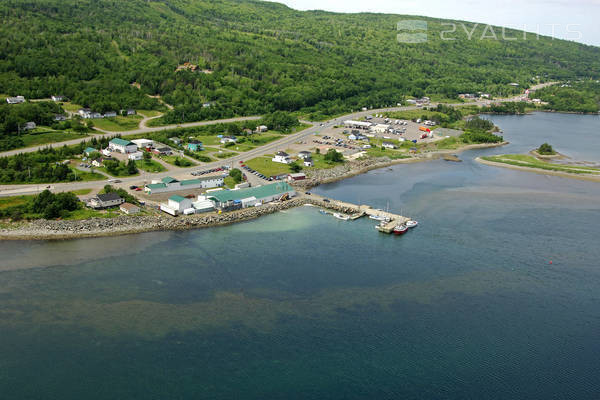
67	106
119	123
210	149
150	166
230	182
225	155
522	160
87	213
185	161
81	192
265	166
149	113
88	176
50	136
6	202
120	175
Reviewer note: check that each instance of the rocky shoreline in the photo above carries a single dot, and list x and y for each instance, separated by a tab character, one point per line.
125	225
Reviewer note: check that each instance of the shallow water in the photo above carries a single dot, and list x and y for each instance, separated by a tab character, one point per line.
493	296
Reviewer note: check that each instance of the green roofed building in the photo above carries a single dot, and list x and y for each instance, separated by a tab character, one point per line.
231	199
89	151
122	146
169	184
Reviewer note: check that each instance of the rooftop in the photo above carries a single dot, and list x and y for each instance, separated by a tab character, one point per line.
259	192
177	198
108	197
121	142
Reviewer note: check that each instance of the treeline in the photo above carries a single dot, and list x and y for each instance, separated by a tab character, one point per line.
506	108
44	205
581	97
253	58
478	130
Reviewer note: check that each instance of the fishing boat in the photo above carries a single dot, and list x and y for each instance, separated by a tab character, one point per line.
412	224
400	230
323	212
342	217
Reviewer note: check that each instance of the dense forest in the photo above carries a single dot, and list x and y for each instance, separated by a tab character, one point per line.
251	57
581	96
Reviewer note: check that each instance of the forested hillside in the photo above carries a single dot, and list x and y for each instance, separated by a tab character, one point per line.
251	57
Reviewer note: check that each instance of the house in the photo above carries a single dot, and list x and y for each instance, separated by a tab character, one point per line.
169	184
206	105
163	151
129	208
131	112
282	157
60	117
262	128
89	151
15	100
194	145
143	143
411	101
308	162
388	145
203	205
304	155
228	139
98	162
57	98
178	205
106	201
175	140
95	115
122	146
296	177
110	114
29	126
137	156
84	113
251	197
106	152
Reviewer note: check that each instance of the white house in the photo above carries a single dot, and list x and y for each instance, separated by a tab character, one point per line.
15	100
137	156
129	208
143	143
308	162
110	114
388	145
304	155
122	146
262	128
58	98
228	139
106	200
29	125
282	157
177	205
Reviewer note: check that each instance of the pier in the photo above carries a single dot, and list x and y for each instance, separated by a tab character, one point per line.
358	211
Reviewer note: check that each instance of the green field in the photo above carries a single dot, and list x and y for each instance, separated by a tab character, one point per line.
265	166
225	155
150	166
171	160
119	123
48	135
522	160
149	113
89	176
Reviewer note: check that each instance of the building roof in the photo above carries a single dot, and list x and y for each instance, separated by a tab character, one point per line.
282	154
177	198
156	186
108	197
259	192
168	179
129	206
298	175
90	150
121	142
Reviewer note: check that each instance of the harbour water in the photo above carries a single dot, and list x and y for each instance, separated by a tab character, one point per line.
494	296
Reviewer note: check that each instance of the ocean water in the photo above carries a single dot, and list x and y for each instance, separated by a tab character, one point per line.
496	295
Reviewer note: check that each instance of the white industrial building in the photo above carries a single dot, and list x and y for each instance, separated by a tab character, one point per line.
358	124
169	184
143	143
122	146
178	205
137	156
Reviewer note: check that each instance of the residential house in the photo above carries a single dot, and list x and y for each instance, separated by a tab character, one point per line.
169	184
137	156
388	145
175	140
304	155
206	105
262	128
228	139
89	151
122	146
308	162
60	117
29	126
194	145
84	112
15	100
57	98
282	157
110	114
106	201
99	162
163	151
178	205
129	208
131	112
251	197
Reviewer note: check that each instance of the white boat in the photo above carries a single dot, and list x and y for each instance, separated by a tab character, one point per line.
379	218
342	217
411	224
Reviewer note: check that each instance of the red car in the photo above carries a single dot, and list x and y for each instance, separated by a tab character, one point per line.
139	189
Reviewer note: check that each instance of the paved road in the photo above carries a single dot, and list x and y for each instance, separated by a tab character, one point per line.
184	173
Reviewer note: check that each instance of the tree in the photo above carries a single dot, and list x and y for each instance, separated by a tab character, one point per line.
333	156
147	156
546	150
294	167
236	174
131	167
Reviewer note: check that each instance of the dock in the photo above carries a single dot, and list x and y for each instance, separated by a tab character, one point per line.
358	211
